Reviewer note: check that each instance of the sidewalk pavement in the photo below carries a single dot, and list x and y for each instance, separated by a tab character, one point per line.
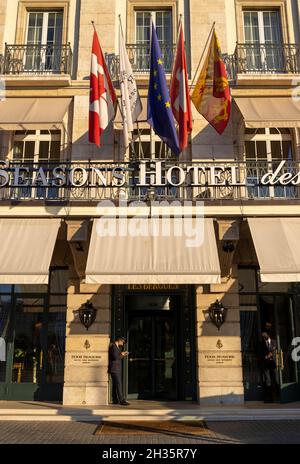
221	432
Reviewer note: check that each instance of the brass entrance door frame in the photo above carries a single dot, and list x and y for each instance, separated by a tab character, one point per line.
186	320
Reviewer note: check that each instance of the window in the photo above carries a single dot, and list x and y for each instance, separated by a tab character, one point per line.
162	20
44	40
147	145
263	41
36	146
33	149
265	149
33	322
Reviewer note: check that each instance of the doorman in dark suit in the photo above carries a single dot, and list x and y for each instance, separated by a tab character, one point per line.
269	367
115	356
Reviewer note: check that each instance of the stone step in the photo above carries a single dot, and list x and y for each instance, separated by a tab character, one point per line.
117	414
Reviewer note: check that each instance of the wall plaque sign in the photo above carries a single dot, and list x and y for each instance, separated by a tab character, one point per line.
220	359
84	359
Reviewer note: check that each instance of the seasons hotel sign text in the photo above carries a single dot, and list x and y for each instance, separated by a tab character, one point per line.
143	174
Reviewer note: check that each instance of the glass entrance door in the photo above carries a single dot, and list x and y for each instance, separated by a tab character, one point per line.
277	314
160	327
152	363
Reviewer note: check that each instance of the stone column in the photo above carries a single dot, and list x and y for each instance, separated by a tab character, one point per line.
219	361
86	357
3	6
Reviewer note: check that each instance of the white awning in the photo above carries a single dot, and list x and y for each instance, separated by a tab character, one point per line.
277	245
156	258
26	250
33	113
261	112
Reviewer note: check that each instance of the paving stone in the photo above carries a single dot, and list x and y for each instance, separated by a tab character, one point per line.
270	432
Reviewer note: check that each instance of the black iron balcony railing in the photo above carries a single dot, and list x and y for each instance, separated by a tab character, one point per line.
139	56
37	59
249	58
255	58
96	181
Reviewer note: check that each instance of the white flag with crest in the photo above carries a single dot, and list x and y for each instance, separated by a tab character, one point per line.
131	104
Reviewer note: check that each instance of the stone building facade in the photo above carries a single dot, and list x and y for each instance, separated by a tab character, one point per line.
45	50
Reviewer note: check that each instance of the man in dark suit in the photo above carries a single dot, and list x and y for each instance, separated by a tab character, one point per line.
268	358
115	369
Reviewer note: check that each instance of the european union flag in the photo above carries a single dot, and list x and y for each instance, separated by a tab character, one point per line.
160	115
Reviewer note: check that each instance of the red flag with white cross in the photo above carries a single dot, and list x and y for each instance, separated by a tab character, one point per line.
103	97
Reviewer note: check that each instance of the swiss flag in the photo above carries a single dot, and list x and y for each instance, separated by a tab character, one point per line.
103	97
179	93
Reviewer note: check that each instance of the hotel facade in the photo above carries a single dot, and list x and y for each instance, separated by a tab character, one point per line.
192	316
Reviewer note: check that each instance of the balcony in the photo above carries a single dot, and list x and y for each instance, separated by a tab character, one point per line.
84	181
139	56
263	59
36	60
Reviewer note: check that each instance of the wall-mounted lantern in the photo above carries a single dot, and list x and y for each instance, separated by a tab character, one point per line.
228	246
217	313
87	314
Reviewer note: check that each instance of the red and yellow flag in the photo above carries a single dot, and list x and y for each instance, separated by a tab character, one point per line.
211	95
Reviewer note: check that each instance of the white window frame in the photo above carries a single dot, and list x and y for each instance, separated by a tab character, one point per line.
153	17
261	31
45	14
151	138
36	138
45	25
267	137
261	27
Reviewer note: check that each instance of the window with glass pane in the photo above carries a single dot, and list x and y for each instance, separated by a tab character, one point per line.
36	146
32	323
163	23
28	342
263	41
44	39
265	149
41	147
147	145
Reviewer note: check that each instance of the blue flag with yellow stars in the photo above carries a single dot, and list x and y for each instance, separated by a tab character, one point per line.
159	111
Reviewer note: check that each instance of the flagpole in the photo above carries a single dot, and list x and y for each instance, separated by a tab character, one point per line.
179	22
152	155
178	30
121	26
201	58
175	54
